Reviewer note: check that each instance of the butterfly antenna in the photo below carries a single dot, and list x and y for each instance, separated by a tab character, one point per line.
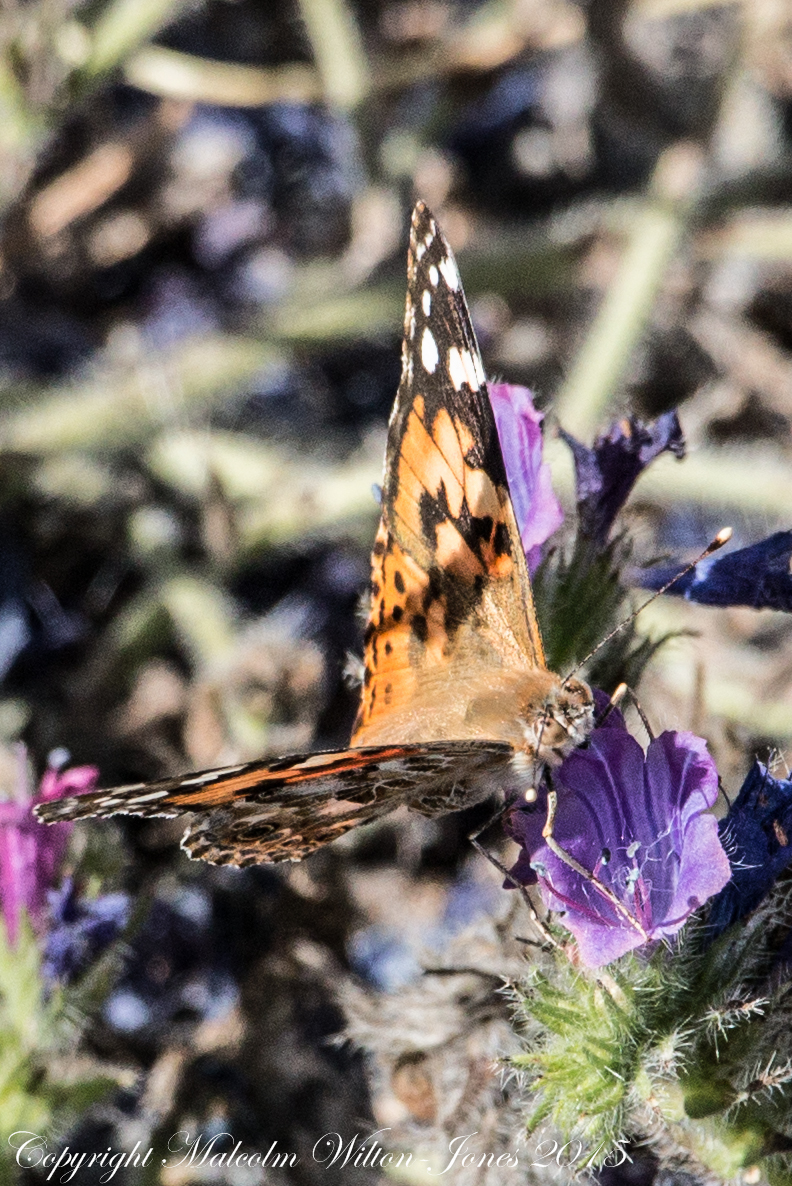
723	537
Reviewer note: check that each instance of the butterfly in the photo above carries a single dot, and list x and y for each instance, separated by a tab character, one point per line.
457	701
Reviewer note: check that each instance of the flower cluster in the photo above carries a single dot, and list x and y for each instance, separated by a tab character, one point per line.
73	929
664	1013
638	824
31	856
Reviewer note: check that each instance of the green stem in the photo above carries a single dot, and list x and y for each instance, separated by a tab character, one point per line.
128	403
338	51
652	241
175	75
122	26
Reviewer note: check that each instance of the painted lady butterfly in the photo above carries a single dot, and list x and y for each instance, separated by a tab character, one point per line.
457	701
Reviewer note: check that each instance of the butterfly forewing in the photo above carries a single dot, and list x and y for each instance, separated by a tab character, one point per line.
450	587
452	624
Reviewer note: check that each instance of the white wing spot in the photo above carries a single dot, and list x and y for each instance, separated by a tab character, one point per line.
429	354
434	276
393	767
409	318
470	370
208	776
450	273
311	760
456	370
462	369
420	251
426	301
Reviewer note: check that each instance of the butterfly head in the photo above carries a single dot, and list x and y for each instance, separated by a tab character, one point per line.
564	723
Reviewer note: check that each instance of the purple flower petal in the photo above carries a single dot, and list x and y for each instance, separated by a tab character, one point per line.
57	783
638	823
757	576
28	864
537	509
606	474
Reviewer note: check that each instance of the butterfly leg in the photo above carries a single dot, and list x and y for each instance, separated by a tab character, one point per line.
621	691
614	702
568	859
473	837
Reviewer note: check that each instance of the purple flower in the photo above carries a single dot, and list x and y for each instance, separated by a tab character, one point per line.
758	576
606	474
757	835
639	823
80	929
31	856
537	509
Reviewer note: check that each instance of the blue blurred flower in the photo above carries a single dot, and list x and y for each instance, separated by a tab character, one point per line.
606	473
382	956
640	823
80	930
757	835
758	576
178	968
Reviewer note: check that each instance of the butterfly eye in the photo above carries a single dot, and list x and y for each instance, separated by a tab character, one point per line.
605	856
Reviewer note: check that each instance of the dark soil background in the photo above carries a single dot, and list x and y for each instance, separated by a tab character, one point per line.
202	271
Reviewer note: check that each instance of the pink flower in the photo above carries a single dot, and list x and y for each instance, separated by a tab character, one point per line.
31	856
537	509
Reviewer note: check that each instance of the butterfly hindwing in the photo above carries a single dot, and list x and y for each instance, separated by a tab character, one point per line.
285	809
450	586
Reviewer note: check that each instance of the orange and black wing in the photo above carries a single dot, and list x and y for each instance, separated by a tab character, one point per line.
450	589
283	810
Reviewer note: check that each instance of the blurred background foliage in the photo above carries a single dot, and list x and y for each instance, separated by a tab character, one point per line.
202	256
